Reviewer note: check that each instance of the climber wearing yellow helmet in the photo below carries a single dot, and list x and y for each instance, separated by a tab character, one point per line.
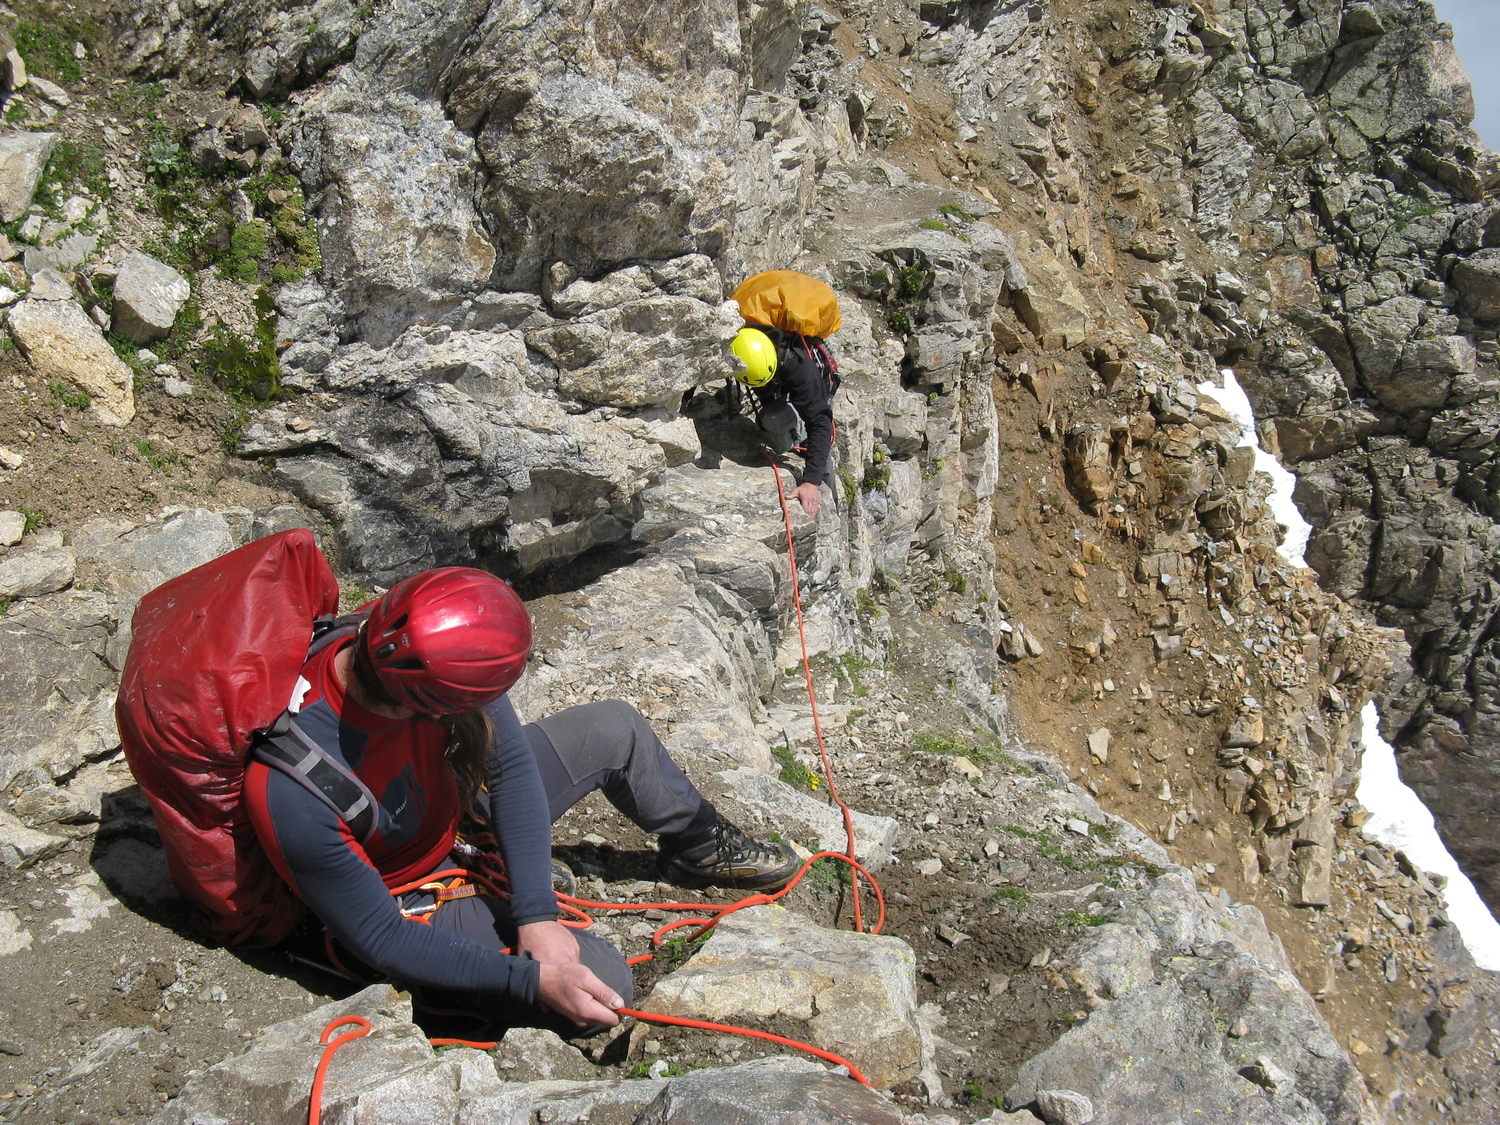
790	369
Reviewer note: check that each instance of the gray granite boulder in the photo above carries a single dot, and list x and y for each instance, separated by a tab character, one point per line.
148	296
23	157
768	1092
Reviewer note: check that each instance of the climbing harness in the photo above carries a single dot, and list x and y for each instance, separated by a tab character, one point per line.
464	882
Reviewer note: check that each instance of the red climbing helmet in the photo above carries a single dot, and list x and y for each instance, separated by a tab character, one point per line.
448	640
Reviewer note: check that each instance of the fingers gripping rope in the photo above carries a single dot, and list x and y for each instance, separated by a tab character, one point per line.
705	916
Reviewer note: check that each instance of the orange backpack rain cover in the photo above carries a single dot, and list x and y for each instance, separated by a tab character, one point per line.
790	301
214	656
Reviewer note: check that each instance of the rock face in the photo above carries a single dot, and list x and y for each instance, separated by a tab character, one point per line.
1478	281
855	992
31	573
61	342
56	685
61	651
1168	979
802	817
148	296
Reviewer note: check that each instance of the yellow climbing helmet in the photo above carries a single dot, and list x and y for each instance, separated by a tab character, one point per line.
758	352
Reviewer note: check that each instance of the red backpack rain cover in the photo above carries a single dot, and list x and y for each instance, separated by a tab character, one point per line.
214	657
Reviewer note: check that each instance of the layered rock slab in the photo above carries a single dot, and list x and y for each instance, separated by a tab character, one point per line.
23	156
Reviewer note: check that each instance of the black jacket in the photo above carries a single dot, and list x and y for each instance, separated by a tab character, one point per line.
800	381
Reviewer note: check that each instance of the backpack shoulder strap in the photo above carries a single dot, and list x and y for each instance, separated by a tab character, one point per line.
329	630
286	748
817	351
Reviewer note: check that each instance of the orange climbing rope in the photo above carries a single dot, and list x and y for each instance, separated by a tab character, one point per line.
361	1029
812	700
711	913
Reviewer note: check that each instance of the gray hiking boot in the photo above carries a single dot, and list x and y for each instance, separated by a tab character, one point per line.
729	858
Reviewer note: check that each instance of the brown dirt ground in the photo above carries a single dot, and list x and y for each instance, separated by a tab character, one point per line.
77	469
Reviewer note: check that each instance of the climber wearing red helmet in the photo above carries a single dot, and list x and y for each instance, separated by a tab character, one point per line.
414	708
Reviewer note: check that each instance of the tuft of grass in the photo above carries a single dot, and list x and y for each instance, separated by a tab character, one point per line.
231	429
35	520
642	1069
852	665
162	460
974	1093
140	99
1080	918
913	280
957	580
1014	894
937	742
1052	851
851	488
294	229
72	167
794	772
676	951
70	396
353	596
826	877
984	750
127	350
46	52
248	245
246	369
954	211
935	224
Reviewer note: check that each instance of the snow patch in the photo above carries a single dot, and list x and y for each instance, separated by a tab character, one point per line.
1231	396
1400	820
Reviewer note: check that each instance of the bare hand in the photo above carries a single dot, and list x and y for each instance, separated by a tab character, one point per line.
550	943
575	992
807	495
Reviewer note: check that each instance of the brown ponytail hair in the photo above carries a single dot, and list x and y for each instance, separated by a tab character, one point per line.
470	733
